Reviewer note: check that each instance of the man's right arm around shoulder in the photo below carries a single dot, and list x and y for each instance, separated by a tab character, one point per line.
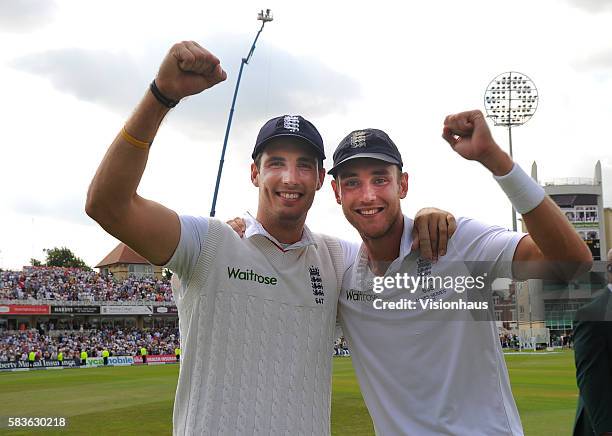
149	228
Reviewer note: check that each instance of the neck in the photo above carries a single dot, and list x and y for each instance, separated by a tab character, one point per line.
285	231
385	249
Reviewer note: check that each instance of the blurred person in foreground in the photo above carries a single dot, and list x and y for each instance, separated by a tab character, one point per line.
244	304
593	355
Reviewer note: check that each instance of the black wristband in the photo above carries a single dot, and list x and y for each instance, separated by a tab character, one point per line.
169	103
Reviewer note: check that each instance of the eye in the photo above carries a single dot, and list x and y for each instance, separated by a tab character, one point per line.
380	180
351	183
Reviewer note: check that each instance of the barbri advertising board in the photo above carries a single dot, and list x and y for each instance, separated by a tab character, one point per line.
75	310
24	309
126	310
24	364
112	361
156	359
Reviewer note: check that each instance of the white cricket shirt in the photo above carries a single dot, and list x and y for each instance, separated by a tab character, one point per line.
256	322
433	371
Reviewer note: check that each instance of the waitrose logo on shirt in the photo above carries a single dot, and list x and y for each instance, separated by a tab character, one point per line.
250	275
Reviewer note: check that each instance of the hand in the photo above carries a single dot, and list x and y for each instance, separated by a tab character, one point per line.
188	69
237	224
431	231
468	134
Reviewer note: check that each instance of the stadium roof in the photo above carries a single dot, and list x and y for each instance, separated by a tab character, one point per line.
122	254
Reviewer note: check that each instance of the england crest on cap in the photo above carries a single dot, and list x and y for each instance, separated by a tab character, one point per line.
358	139
291	122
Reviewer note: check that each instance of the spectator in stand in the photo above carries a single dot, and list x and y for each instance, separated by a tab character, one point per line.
119	342
73	284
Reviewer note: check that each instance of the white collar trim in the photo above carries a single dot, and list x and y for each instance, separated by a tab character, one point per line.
254	227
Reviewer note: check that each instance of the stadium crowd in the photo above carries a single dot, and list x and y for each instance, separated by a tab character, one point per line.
119	342
74	284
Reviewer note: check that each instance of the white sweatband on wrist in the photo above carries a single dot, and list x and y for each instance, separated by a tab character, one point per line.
524	193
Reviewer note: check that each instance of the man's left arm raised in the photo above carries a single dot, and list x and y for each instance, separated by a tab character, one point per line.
553	248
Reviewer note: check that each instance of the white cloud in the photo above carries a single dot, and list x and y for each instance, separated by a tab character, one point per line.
593	6
25	15
600	61
397	66
275	82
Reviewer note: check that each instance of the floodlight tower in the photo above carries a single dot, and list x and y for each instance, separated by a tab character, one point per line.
511	99
264	17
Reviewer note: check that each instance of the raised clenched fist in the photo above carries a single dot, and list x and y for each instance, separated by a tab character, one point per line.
469	135
188	69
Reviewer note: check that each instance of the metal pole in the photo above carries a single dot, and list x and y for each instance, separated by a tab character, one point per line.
229	121
510	138
530	323
511	157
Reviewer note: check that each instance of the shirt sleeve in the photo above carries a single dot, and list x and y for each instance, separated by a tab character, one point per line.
488	248
194	231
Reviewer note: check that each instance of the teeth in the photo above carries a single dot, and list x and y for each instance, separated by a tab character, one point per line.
289	195
368	211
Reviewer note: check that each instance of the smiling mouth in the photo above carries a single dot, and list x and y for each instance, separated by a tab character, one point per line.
369	211
289	195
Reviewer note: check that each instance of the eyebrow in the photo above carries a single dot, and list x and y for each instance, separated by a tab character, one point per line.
311	160
276	159
379	172
300	159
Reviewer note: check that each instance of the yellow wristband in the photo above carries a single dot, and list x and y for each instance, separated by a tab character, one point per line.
135	142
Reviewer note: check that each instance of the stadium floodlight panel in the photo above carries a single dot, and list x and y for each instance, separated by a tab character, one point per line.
265	16
510	99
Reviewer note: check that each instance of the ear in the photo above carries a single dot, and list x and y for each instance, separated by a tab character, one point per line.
336	189
254	175
404	185
321	178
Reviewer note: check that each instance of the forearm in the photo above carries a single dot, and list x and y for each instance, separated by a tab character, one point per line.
553	247
118	176
548	227
553	233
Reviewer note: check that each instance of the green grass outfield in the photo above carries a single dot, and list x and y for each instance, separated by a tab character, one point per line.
138	400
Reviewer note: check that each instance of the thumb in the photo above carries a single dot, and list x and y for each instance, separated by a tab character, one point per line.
219	75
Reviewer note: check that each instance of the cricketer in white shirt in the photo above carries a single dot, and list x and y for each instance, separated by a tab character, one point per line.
432	371
427	352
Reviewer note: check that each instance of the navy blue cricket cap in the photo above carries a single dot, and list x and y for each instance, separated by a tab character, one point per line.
370	143
292	126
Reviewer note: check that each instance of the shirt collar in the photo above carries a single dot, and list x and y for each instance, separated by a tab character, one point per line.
405	247
254	227
405	244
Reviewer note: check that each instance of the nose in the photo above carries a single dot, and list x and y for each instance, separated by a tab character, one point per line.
289	176
368	194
